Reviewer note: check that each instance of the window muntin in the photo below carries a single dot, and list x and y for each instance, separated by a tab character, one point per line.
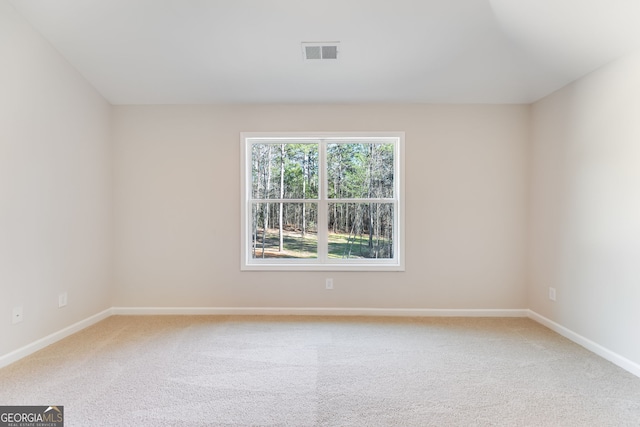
322	202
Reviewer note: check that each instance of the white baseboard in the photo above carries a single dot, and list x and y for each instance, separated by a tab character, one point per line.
320	311
601	351
22	352
31	348
594	347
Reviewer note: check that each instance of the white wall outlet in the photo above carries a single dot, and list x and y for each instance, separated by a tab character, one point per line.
329	284
17	315
62	300
552	294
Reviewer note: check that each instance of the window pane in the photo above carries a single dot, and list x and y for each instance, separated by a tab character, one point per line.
284	171
360	170
299	230
360	230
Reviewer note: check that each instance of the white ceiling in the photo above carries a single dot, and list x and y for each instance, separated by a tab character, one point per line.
248	51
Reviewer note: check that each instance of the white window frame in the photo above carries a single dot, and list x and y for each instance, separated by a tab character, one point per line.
322	263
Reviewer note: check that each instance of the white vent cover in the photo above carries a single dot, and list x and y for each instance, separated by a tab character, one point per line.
319	50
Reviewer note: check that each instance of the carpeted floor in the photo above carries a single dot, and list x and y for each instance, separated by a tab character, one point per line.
322	371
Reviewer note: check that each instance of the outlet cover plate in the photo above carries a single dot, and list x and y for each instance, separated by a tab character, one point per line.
329	284
62	300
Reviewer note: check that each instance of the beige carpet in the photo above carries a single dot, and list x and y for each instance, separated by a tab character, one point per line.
319	371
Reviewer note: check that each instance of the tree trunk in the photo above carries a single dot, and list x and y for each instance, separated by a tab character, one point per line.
281	247
305	177
254	224
370	195
267	188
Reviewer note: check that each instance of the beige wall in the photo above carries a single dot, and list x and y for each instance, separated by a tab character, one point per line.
177	207
585	207
55	188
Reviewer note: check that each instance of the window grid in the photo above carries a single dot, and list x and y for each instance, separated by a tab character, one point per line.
323	201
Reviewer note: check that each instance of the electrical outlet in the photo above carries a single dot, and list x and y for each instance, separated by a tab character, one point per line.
62	300
552	294
329	284
17	315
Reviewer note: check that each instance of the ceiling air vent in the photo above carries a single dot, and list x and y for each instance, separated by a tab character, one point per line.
319	50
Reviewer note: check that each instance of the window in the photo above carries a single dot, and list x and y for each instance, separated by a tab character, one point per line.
324	201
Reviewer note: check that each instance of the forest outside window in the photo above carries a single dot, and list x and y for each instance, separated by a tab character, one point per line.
322	201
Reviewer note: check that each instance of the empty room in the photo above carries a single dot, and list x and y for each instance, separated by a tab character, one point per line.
336	213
